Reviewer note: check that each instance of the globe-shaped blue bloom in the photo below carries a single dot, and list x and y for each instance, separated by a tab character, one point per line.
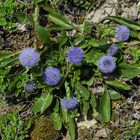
69	103
122	33
113	50
106	64
75	55
52	76
30	87
29	57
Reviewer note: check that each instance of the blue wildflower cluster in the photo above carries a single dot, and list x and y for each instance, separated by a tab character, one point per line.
69	103
113	50
75	55
29	57
52	76
122	33
30	87
106	64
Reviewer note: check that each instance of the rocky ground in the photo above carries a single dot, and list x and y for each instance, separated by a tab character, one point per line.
124	8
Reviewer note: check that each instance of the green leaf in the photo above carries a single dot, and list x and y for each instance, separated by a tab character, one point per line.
105	106
6	54
49	9
114	95
98	43
9	62
134	34
118	84
60	20
37	105
87	27
72	128
46	102
67	88
86	106
65	115
133	43
129	70
63	40
56	106
106	31
55	27
93	56
93	101
23	17
84	92
128	23
43	34
56	120
42	103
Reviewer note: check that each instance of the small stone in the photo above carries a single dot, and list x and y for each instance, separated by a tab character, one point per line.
21	27
136	107
102	133
133	12
129	101
87	123
136	116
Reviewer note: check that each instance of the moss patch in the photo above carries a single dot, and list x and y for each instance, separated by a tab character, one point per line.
44	130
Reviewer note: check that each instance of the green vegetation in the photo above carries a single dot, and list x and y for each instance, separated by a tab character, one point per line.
12	128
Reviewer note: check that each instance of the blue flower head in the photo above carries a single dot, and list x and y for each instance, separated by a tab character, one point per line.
29	57
75	55
122	33
106	64
113	50
30	87
52	76
69	103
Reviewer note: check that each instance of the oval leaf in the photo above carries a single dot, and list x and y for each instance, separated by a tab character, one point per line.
60	20
42	103
72	128
83	91
37	105
87	27
98	43
86	106
43	34
46	102
105	106
93	101
56	120
114	95
128	23
129	71
118	84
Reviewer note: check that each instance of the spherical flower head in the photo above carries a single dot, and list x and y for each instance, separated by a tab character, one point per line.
75	55
106	64
69	103
113	50
30	87
52	76
122	33
29	57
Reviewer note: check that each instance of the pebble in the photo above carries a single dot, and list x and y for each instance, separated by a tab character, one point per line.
136	116
128	10
102	133
87	123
